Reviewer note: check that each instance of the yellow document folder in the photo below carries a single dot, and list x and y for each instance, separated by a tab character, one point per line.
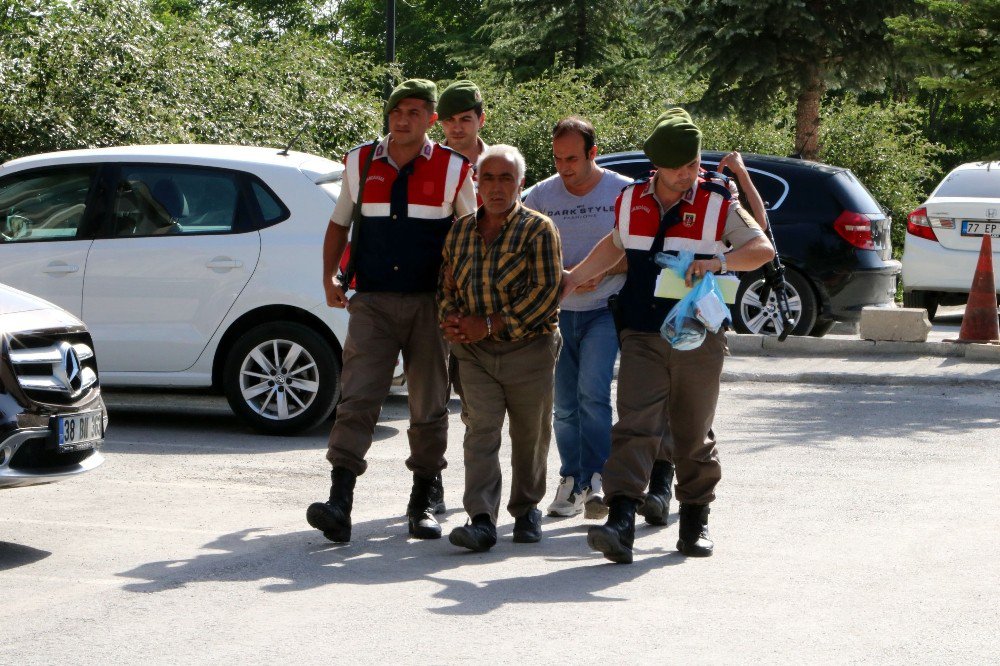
671	285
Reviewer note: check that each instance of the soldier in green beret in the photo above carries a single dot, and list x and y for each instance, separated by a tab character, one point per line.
460	110
405	192
679	208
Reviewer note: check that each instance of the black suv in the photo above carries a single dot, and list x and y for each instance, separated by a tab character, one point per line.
831	234
52	416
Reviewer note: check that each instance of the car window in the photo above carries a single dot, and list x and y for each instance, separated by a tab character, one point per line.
153	200
772	188
271	209
978	183
43	205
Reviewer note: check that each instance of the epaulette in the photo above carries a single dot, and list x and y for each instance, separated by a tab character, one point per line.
455	152
362	145
641	180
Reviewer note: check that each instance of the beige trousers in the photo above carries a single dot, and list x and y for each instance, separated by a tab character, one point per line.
512	379
381	326
654	379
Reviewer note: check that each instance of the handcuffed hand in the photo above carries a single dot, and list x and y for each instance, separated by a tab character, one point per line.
464	329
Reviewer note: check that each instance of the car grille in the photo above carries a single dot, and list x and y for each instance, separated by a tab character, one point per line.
54	368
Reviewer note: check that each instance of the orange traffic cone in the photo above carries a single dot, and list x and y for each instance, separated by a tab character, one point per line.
980	323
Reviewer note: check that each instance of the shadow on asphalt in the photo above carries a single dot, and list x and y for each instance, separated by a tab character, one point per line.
180	418
14	555
823	415
381	553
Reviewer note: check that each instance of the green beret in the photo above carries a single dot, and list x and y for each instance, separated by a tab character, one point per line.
417	88
458	97
675	140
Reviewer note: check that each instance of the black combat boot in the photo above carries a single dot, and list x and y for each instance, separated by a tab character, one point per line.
656	506
615	537
479	534
694	538
420	513
333	517
528	528
437	495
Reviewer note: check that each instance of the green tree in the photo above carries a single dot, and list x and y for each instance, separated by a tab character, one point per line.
529	37
957	43
429	33
106	72
756	54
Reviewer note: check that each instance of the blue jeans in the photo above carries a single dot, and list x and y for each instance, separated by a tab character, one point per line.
582	406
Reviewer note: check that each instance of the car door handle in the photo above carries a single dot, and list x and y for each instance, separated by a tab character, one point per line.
224	263
60	268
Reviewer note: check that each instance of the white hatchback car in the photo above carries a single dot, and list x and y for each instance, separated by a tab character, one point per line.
193	266
945	234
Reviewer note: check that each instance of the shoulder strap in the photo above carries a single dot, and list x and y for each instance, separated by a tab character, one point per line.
667	220
348	276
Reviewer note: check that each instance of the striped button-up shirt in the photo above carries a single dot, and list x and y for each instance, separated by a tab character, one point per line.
517	275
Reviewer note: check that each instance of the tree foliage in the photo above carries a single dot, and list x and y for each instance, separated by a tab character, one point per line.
529	37
957	43
753	55
430	34
105	72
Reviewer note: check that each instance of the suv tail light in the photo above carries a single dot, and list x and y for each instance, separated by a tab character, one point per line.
918	224
856	229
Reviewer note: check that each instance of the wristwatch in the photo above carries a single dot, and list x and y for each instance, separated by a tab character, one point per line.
722	260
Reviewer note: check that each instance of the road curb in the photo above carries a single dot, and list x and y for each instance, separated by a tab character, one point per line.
745	344
731	376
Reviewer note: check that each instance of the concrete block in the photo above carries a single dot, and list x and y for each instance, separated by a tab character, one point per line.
896	324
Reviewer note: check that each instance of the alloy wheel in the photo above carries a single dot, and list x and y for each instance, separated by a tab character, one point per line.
279	379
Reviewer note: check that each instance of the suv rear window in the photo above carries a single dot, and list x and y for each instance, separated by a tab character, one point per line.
854	196
979	183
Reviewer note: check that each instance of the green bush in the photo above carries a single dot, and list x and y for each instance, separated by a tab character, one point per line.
107	72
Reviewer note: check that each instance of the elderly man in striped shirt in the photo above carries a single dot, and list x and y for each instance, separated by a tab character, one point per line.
498	299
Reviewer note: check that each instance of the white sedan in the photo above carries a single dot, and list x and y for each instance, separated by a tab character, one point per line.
945	234
193	266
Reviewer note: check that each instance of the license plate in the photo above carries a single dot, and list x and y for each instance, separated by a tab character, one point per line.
79	431
990	228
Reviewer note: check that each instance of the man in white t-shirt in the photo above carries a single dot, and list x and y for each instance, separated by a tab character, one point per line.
580	199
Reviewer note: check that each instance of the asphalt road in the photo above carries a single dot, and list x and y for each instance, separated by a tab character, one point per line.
854	524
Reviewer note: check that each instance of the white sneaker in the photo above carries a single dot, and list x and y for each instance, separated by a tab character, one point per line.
595	506
567	503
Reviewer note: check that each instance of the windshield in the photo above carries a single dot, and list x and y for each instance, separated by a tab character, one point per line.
979	183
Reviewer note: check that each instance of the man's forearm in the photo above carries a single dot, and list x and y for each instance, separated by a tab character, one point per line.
751	256
620	267
604	256
334	244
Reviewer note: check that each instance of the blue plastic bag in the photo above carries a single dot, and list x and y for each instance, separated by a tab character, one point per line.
685	325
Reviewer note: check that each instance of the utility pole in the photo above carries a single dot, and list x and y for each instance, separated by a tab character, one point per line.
390	53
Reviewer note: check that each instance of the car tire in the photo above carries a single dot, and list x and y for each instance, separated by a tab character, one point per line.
751	316
281	400
927	300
